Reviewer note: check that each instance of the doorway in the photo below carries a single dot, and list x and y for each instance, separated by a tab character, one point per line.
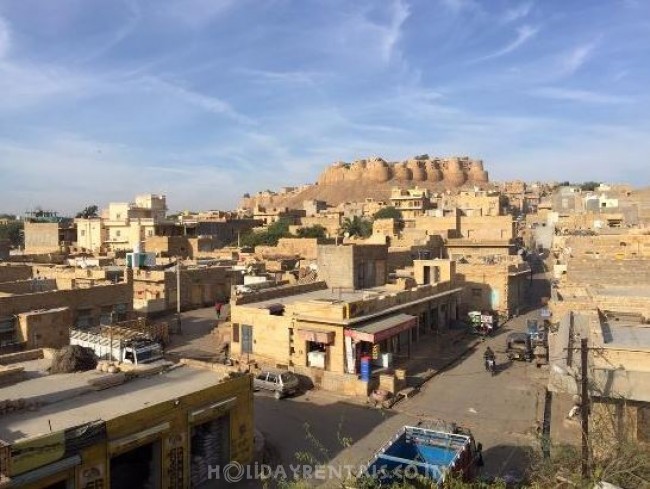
140	467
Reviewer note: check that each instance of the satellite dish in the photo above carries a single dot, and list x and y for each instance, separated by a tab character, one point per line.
346	234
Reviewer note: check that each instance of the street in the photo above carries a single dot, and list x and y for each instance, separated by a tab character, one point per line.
317	427
501	411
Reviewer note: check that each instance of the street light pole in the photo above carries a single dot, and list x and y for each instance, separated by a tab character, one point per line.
178	296
584	405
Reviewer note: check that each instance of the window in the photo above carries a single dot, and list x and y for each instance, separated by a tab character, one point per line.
272	378
643	423
235	333
150	233
262	376
83	232
246	338
476	292
118	233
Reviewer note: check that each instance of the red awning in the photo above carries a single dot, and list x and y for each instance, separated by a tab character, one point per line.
377	331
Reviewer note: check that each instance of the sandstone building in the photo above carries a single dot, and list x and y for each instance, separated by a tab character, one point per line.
152	428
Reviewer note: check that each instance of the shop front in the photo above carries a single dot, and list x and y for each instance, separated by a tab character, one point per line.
380	341
317	347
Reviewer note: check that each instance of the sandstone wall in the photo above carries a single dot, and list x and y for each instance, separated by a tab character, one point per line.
454	171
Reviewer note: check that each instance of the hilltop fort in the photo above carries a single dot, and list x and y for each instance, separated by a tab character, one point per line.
374	177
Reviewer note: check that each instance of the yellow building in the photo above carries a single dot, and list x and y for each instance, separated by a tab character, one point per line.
411	202
122	226
93	429
324	332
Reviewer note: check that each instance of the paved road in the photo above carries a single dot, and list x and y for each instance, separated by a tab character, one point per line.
502	411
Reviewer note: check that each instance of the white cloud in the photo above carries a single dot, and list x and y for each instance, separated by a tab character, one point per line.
282	77
518	12
583	96
368	41
393	31
573	60
134	16
197	13
205	102
24	85
524	34
67	171
459	5
5	38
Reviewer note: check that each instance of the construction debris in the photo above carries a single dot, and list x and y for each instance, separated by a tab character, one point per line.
73	358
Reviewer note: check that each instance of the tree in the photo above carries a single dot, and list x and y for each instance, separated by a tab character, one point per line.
357	226
389	212
268	237
12	231
589	186
317	231
88	212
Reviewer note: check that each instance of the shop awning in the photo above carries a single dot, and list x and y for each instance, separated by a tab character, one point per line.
379	330
326	337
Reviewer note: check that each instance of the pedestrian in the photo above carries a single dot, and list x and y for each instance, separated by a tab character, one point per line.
217	308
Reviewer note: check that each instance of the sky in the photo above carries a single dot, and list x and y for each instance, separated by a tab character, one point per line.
204	100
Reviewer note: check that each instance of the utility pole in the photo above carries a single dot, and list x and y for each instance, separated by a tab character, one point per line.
178	296
584	407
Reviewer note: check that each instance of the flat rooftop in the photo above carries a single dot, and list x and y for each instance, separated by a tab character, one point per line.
626	335
332	296
324	295
622	290
70	401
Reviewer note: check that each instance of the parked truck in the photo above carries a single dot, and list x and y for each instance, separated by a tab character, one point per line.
136	349
433	454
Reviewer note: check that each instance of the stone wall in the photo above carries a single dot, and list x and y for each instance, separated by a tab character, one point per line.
45	329
92	299
12	272
41	237
609	272
27	286
199	287
452	171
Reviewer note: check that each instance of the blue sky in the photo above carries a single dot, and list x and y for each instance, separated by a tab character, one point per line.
207	99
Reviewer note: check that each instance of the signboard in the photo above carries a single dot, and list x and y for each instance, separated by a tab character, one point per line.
37	452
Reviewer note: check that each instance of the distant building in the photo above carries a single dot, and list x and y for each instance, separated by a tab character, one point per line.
411	202
37	309
123	226
49	237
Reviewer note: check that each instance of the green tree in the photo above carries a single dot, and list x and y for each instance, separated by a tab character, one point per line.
389	212
357	226
13	231
268	237
317	231
589	186
88	212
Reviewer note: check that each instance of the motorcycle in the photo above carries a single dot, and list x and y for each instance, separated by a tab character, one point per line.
490	365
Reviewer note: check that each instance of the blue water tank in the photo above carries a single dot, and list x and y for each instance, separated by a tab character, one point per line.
365	369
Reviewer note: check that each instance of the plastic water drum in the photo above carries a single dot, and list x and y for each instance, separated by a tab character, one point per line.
365	369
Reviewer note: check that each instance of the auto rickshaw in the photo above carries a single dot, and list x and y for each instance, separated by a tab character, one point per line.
519	347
